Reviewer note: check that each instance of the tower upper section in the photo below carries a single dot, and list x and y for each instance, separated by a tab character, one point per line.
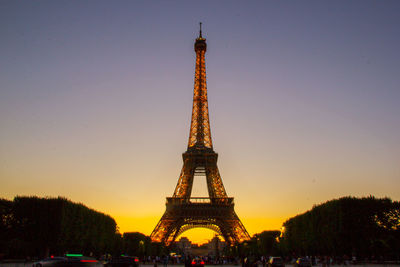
200	134
200	43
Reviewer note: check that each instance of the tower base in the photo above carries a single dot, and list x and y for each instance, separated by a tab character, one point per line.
182	214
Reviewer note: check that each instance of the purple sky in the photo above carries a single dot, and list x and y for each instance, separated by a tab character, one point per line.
304	99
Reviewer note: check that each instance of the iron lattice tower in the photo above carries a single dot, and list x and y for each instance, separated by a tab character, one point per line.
215	212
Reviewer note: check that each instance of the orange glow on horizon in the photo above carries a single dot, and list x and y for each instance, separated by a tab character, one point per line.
146	225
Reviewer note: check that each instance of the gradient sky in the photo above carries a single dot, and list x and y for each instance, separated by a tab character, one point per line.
96	97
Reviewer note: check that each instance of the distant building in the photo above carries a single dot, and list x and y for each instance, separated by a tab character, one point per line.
184	245
215	247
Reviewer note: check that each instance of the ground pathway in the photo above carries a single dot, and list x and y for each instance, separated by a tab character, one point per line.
227	265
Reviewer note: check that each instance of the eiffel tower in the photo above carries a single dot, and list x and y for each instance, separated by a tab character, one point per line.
215	212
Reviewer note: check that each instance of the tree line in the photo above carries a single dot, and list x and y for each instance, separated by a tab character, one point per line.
367	228
33	227
363	227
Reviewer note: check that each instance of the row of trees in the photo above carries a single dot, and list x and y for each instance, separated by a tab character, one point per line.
32	226
346	226
261	244
368	228
140	245
363	227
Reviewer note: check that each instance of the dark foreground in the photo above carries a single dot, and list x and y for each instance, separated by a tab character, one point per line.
26	264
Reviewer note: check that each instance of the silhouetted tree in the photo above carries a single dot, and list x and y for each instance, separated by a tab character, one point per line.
267	242
6	226
33	226
346	226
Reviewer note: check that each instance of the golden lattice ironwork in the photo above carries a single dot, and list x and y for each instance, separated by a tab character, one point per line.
200	134
215	212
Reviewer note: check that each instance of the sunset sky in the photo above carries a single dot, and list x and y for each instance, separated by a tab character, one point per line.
96	98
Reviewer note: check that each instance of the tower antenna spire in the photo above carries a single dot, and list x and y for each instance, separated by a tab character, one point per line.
200	30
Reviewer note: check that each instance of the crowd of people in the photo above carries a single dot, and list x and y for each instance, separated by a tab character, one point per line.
245	261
